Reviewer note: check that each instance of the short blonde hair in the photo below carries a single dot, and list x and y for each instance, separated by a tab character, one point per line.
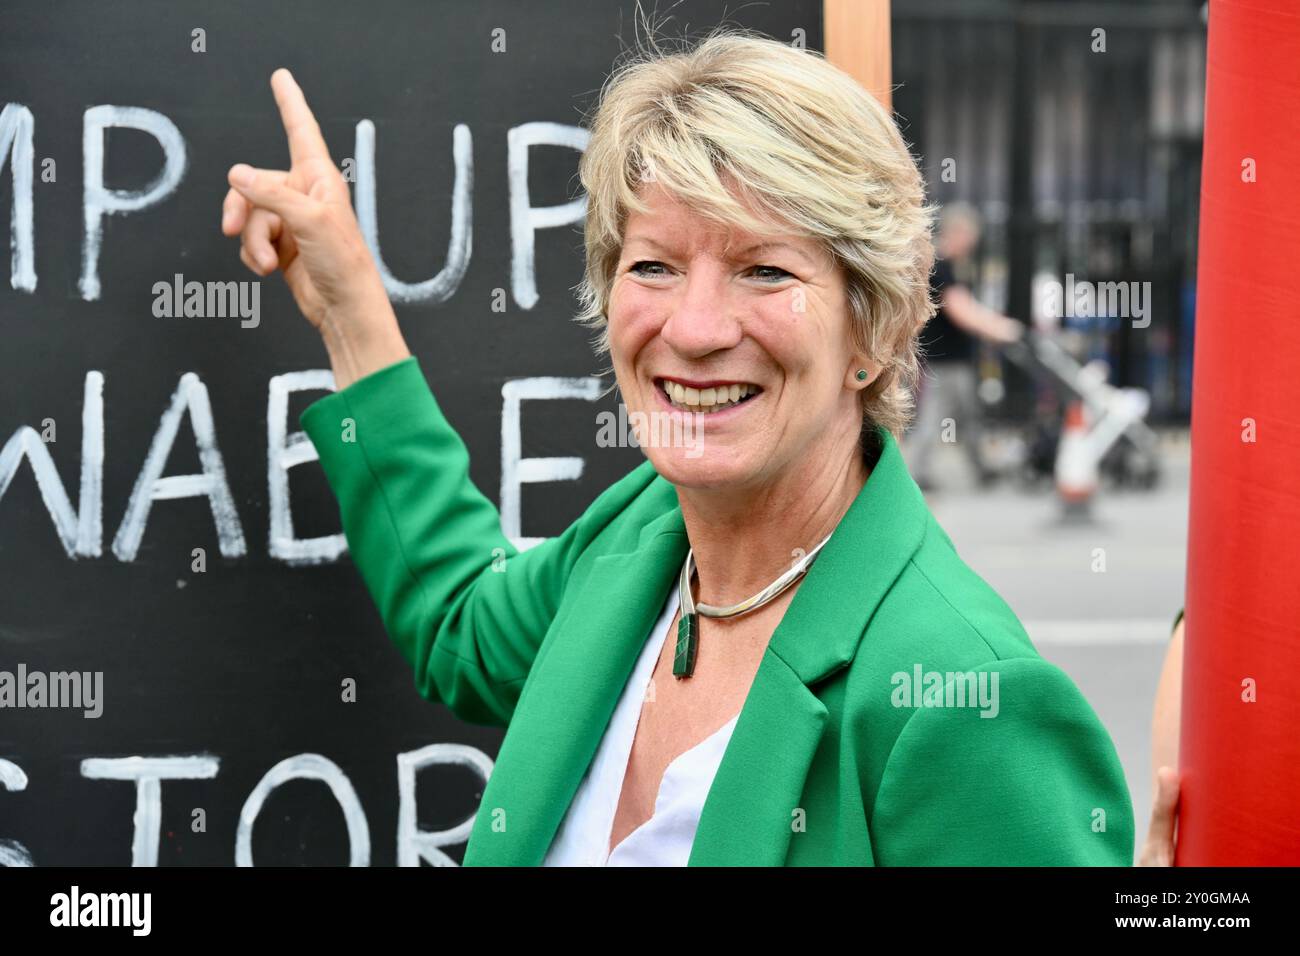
806	145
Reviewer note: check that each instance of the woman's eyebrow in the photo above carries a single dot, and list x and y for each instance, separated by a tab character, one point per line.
741	254
771	246
645	240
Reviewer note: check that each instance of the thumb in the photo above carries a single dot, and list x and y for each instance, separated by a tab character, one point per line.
269	189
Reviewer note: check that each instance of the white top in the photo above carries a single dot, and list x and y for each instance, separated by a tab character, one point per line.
666	838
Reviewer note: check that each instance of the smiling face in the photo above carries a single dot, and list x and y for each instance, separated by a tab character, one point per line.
742	341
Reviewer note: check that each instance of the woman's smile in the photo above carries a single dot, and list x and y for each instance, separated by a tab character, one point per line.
716	398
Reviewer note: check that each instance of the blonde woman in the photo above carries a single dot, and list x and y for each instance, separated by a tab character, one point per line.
758	647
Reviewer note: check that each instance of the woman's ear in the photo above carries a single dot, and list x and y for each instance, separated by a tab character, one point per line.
862	372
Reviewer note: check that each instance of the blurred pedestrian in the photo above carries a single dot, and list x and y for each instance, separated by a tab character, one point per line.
949	385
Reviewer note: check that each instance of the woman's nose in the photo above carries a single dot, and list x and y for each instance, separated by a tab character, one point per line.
702	319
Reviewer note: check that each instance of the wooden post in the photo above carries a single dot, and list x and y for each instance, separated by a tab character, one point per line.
857	41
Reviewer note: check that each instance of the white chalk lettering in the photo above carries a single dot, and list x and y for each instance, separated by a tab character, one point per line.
80	532
99	201
148	774
192	396
306	767
526	219
283	451
441	287
516	471
13	853
17	126
414	844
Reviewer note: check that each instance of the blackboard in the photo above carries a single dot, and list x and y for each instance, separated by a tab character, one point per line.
219	675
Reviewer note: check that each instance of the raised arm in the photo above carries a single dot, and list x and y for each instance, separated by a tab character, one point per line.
466	609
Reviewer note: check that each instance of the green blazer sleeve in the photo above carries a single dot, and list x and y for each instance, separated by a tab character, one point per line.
1038	784
464	606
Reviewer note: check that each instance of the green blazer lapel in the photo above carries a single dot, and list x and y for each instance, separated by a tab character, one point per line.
571	694
576	683
749	814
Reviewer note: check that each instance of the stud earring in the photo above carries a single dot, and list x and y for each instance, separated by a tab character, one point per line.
862	375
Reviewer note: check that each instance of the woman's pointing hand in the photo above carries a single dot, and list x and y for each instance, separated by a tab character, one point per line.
301	222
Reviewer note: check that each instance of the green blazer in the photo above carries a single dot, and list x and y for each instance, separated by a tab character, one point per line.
830	762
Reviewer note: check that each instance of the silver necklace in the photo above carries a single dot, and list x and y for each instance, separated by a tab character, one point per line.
688	628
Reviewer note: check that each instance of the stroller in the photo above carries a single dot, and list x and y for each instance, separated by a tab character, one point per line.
1128	448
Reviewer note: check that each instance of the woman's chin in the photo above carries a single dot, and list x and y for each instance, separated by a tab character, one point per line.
698	467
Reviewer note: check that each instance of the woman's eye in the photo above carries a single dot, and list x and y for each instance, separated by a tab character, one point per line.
646	267
652	267
772	273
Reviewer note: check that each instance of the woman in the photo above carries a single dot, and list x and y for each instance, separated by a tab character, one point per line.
843	689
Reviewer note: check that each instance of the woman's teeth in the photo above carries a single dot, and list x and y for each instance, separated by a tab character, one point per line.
707	399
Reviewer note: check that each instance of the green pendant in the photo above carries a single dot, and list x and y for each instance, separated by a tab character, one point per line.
688	642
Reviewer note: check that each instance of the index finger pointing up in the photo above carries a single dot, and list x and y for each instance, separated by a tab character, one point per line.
305	140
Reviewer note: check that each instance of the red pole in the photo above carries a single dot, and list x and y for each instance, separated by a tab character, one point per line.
1240	726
